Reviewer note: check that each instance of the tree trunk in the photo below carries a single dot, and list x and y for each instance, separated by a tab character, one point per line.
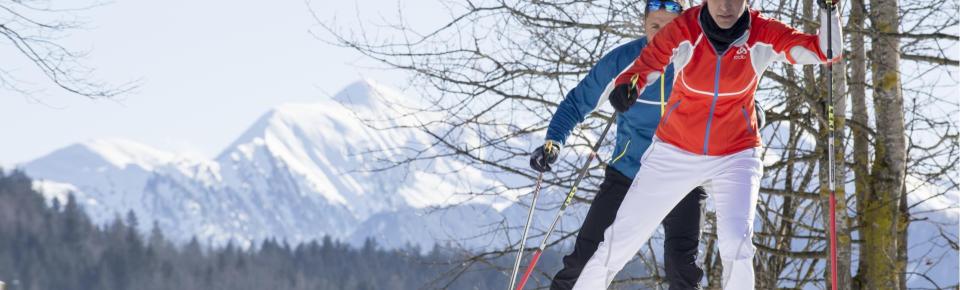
881	208
902	239
839	165
861	141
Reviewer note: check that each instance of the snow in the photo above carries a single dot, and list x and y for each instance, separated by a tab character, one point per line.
53	190
300	171
930	257
121	153
928	198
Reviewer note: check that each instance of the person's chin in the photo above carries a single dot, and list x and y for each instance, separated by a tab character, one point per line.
724	22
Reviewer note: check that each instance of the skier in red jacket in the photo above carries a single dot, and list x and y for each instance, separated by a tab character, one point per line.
708	136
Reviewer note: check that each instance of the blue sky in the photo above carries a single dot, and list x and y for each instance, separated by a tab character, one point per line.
209	69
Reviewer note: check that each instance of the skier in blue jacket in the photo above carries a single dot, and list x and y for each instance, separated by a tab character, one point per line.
635	130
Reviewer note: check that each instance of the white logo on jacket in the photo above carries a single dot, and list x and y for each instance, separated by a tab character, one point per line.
741	53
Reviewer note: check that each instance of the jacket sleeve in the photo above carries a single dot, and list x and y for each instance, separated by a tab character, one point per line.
655	57
800	48
586	96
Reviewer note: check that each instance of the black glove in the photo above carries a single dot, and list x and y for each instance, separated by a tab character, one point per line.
831	6
761	116
623	97
544	155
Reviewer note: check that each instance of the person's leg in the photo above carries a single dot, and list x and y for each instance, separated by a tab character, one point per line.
599	217
666	175
682	231
735	189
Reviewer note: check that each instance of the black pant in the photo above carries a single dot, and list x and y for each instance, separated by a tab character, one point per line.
681	231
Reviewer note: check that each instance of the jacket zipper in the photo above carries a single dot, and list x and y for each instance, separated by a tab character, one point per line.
716	81
674	107
716	95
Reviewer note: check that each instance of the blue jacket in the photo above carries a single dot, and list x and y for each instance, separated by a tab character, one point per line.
635	127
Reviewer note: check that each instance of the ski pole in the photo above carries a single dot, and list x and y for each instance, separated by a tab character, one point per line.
830	157
566	202
526	229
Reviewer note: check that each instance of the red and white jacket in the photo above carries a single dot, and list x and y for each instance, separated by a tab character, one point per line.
711	109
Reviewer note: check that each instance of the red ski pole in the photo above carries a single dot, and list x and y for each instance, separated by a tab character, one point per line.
526	229
566	202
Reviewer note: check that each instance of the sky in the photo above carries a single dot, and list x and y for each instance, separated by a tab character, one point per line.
208	69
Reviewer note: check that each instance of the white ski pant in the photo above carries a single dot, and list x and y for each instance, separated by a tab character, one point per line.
666	175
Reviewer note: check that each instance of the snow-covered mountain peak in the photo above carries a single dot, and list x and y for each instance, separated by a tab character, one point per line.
97	161
122	152
300	171
368	94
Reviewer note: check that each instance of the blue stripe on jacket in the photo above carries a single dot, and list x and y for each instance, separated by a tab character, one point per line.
636	126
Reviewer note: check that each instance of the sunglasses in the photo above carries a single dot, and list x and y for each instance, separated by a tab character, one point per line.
669	6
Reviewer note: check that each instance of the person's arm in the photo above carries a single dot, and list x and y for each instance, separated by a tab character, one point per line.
672	40
801	48
586	96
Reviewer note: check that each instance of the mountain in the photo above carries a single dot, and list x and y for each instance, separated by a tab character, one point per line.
37	240
301	171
